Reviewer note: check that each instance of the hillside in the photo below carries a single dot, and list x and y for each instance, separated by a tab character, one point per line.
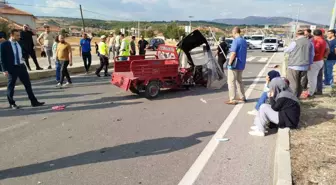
256	20
109	25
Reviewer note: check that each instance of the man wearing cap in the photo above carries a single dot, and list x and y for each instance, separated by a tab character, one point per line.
48	41
27	45
103	56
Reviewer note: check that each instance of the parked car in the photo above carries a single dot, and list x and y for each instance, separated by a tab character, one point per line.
270	44
255	42
154	43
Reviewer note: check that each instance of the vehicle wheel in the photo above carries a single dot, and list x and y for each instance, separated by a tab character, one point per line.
152	90
134	90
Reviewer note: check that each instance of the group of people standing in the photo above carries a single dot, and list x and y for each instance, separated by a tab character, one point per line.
308	55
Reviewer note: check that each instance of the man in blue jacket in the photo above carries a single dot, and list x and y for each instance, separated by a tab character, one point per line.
13	68
2	39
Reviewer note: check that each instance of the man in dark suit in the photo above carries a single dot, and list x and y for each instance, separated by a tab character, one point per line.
13	68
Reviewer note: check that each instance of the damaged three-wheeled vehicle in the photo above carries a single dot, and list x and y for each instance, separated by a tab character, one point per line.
151	73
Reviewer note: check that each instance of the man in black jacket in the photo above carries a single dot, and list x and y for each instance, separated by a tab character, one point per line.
222	47
13	67
27	45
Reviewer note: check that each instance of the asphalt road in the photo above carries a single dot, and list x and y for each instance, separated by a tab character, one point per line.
107	136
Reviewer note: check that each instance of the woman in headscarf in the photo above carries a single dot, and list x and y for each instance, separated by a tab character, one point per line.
263	98
284	110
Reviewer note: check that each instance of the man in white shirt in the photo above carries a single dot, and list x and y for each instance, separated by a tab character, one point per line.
117	44
13	67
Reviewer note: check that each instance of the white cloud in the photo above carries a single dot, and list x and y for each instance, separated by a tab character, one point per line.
62	3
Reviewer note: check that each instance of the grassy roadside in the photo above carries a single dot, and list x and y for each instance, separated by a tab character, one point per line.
313	145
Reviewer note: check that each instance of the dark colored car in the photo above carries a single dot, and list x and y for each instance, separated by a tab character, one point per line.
154	43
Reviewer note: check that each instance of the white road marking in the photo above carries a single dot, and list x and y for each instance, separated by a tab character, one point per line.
263	59
195	170
249	59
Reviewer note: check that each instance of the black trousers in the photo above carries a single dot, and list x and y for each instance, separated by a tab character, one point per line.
87	59
64	71
32	54
221	62
20	72
319	86
104	62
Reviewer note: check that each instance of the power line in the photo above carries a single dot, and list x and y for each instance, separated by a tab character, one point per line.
18	4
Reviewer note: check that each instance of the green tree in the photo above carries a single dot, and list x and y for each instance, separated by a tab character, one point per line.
5	27
173	31
64	32
149	33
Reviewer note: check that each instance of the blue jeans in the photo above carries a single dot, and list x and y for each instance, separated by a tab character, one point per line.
58	70
328	72
263	98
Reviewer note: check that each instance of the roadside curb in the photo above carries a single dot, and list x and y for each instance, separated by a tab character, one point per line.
37	75
282	163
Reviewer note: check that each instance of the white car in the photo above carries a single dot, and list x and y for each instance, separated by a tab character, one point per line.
270	44
256	41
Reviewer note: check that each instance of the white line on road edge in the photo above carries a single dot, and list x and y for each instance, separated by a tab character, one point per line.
194	171
14	126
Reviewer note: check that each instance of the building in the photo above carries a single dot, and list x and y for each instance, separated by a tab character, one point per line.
16	16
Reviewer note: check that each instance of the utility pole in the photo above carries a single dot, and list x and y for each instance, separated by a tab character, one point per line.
333	17
80	8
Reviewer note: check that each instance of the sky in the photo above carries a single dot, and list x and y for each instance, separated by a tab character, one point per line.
318	11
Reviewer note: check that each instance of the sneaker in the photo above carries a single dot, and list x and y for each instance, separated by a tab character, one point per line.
49	67
257	133
39	68
59	85
68	84
255	128
98	74
106	75
14	107
254	112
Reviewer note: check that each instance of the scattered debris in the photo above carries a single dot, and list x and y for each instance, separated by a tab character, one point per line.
70	137
44	118
223	139
39	182
102	151
51	165
203	100
119	119
58	107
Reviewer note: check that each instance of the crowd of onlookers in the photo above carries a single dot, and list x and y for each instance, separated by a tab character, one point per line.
309	57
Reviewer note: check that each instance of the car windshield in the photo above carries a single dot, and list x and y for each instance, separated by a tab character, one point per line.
247	38
229	41
257	38
270	41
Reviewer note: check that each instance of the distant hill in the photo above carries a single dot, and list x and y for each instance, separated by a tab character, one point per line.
257	20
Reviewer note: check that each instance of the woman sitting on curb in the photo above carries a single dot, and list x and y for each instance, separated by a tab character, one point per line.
263	98
284	110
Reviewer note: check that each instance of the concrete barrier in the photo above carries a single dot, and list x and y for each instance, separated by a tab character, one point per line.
282	162
37	75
